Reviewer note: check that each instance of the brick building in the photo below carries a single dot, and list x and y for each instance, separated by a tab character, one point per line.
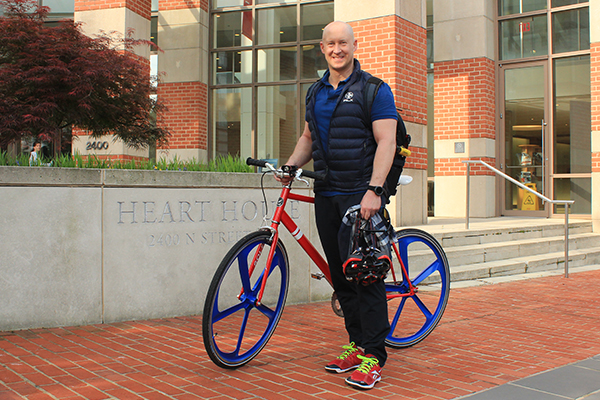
514	83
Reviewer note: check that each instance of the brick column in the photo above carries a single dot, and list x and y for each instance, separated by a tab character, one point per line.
392	45
120	16
464	106
183	38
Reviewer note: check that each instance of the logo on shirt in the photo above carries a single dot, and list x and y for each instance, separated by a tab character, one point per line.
348	97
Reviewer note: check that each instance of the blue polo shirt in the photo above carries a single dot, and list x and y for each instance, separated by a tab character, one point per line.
383	105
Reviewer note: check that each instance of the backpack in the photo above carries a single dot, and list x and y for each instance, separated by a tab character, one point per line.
402	138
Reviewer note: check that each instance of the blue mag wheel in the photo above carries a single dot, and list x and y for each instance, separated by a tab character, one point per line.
234	327
414	317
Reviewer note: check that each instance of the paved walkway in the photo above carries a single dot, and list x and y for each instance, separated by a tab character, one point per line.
504	338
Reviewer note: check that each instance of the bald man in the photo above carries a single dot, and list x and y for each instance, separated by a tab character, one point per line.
356	156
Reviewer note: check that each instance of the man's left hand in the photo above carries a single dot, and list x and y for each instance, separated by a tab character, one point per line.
370	204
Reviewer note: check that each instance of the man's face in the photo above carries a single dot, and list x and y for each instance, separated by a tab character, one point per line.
338	46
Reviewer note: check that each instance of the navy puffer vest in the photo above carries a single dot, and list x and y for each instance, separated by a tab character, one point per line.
348	163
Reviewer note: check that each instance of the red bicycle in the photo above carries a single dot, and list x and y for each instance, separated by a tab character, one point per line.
247	294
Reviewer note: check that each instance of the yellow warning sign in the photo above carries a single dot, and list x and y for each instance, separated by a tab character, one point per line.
529	201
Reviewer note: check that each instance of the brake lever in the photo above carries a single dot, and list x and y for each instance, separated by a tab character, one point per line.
298	174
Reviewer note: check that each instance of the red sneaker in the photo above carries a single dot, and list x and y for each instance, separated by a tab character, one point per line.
347	360
367	375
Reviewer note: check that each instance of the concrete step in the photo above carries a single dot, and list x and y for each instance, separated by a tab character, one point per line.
463	237
522	265
496	251
527	264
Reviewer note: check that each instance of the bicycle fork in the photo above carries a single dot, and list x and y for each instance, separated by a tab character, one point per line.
412	289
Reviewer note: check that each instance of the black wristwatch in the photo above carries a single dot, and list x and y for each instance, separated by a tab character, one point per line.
377	189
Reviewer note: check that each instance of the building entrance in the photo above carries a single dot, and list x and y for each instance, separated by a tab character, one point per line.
525	150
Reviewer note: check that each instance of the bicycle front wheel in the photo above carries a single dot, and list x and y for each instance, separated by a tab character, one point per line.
413	316
235	326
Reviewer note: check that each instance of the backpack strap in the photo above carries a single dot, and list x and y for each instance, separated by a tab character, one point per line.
370	91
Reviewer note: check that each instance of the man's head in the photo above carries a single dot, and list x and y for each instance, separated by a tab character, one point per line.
338	45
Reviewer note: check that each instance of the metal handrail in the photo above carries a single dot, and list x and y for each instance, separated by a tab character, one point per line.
567	203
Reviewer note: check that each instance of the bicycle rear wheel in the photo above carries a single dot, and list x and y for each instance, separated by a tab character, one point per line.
414	316
235	327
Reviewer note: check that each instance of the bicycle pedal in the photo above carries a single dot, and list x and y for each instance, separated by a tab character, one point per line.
317	276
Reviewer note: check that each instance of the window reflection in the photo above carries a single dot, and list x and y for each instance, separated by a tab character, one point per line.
572	115
276	64
60	6
276	25
560	3
508	7
260	49
524	37
571	30
313	18
578	189
276	122
232	67
232	121
313	62
232	29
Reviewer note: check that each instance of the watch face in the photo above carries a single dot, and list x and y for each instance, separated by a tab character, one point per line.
377	189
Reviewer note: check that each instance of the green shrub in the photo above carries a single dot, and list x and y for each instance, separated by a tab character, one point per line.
227	163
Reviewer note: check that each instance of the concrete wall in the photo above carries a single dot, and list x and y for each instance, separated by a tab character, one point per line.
91	246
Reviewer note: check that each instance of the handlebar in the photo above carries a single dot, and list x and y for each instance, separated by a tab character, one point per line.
264	164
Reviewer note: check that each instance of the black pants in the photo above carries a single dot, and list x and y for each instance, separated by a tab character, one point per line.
365	307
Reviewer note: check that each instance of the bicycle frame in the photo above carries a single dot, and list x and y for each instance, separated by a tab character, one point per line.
280	216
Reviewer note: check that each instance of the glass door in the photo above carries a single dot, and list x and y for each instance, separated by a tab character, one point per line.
525	142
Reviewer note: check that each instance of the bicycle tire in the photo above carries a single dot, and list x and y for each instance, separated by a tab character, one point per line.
234	327
411	318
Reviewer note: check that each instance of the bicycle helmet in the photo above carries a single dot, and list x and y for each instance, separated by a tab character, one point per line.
367	261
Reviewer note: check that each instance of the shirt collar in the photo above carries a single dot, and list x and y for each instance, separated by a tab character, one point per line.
325	78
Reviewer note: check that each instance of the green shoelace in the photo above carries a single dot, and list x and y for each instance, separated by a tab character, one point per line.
351	348
367	363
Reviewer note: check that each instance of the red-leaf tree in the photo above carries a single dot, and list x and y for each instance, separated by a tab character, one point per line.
52	77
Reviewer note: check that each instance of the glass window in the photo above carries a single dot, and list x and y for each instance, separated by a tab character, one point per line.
313	62
274	1
508	7
154	5
429	8
571	30
277	25
313	18
232	67
233	29
430	48
276	64
267	53
230	3
560	3
572	115
60	6
232	121
578	189
524	37
154	30
276	128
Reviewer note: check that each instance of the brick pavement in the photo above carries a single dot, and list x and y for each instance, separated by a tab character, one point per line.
488	336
